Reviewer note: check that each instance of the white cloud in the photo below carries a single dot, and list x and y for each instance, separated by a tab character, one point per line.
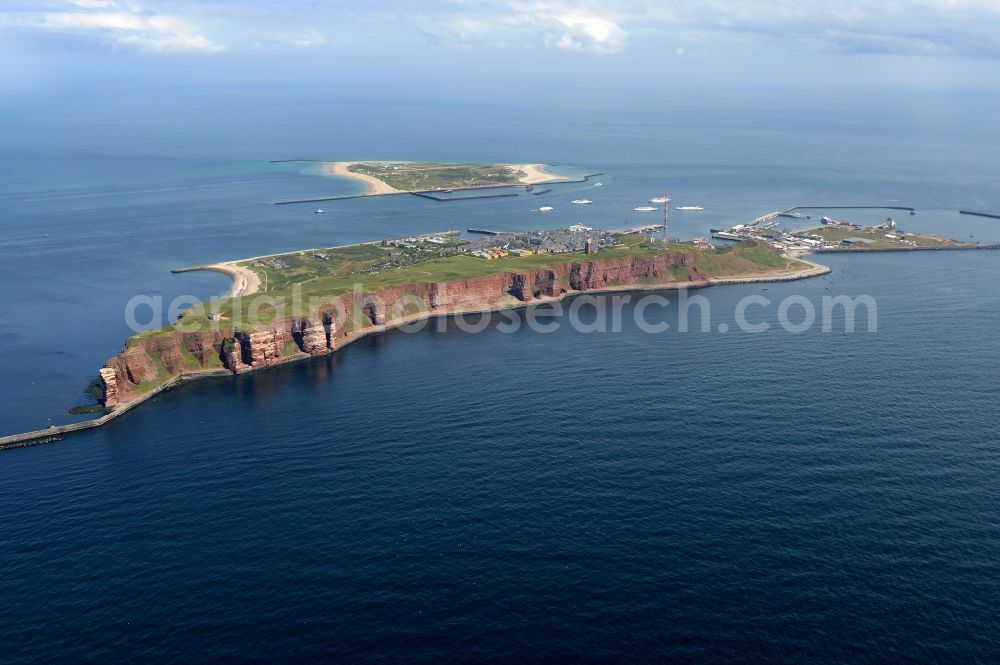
521	24
917	27
601	27
306	39
128	26
93	4
587	33
914	27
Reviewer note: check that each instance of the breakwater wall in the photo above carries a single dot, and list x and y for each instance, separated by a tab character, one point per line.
337	198
844	207
844	250
55	432
994	215
444	199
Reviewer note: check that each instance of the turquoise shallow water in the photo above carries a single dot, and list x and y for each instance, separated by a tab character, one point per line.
441	495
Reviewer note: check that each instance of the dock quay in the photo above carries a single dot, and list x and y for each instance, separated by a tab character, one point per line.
788	212
487	232
646	228
994	215
765	218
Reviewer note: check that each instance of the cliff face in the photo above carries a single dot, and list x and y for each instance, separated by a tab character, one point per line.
147	362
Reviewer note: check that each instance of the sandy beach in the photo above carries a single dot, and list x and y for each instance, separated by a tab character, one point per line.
245	281
535	173
373	186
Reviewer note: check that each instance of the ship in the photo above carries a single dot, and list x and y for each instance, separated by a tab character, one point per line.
660	199
644	209
319	211
581	202
545	209
690	208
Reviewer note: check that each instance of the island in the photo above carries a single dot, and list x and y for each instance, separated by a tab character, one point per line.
407	177
312	302
297	305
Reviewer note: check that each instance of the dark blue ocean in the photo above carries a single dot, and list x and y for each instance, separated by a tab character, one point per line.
440	495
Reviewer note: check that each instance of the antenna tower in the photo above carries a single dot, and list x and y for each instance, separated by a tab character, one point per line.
666	216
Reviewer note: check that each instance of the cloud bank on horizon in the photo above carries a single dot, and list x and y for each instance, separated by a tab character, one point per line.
937	28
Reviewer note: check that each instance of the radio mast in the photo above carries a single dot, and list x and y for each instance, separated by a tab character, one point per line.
666	216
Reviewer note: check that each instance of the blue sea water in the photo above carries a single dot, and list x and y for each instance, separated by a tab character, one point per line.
444	495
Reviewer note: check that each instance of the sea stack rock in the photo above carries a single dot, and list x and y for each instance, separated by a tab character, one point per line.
374	309
109	386
314	338
262	347
232	355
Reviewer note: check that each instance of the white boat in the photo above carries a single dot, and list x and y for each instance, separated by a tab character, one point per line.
644	209
319	211
581	202
598	184
545	209
690	208
660	199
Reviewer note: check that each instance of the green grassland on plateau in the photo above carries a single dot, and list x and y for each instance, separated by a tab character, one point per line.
300	277
416	176
876	238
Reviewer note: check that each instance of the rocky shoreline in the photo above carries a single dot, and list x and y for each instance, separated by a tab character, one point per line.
125	375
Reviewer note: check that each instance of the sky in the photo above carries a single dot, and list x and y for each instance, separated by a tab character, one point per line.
917	44
253	77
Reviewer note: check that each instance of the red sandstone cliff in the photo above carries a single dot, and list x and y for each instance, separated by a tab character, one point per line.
148	361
